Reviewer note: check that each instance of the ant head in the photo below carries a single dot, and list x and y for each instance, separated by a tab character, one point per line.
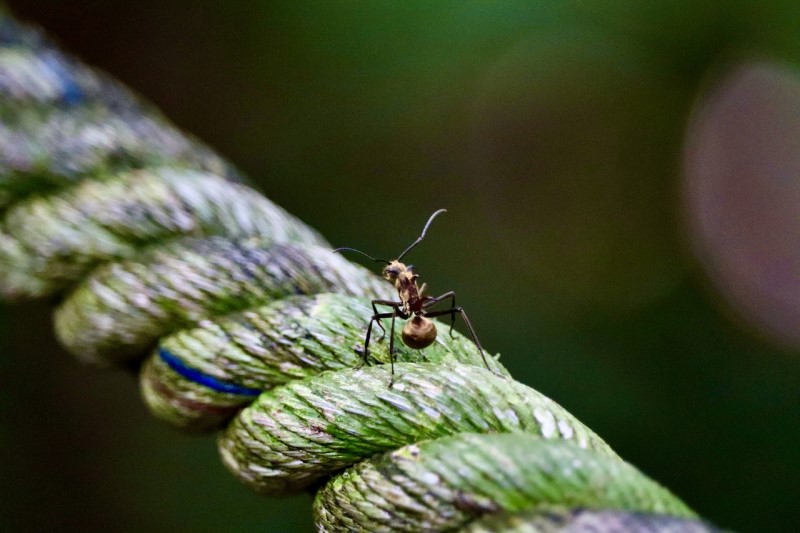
393	270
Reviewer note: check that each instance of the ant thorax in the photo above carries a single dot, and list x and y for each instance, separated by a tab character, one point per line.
404	280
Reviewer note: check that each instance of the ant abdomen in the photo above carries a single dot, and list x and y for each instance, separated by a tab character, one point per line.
419	332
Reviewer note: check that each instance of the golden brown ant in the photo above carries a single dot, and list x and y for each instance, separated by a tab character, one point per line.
420	331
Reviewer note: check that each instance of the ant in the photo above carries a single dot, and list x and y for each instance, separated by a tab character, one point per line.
420	331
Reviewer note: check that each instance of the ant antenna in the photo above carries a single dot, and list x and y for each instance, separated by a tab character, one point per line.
362	253
424	231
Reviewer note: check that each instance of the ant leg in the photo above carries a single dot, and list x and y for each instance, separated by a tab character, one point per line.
375	318
397	313
391	348
380	325
452	312
452	295
375	311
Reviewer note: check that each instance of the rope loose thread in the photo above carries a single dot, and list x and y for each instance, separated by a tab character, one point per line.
251	324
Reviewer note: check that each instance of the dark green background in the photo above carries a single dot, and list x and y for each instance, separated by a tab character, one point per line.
552	131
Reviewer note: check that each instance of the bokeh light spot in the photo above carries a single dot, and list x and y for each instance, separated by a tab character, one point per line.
742	191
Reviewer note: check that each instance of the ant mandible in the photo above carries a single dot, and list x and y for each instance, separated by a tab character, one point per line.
420	331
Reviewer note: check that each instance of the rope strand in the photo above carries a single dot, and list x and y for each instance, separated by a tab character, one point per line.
252	324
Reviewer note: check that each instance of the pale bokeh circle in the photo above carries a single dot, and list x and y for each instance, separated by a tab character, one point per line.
742	195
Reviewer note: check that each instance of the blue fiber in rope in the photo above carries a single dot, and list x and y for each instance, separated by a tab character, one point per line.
198	377
71	93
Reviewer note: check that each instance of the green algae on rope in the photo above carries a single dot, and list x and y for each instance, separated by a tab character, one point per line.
444	484
291	338
296	434
123	308
43	154
60	239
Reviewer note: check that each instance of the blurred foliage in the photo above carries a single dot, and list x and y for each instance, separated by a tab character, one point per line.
552	132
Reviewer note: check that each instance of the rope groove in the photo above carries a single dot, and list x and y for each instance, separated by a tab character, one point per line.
250	324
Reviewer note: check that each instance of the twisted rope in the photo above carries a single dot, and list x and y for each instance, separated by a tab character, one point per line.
250	324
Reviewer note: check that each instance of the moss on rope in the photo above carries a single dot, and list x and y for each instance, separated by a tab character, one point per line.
297	434
446	483
124	307
258	349
58	240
